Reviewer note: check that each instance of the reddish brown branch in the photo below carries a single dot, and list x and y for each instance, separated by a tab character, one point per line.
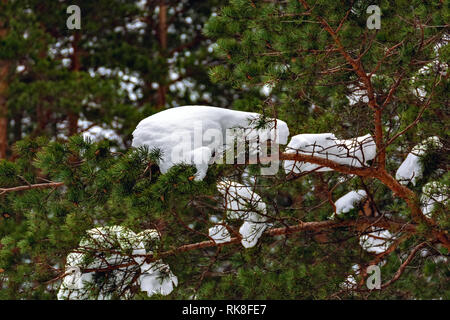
381	174
397	275
366	81
355	63
363	172
303	226
4	84
32	186
404	265
412	124
379	257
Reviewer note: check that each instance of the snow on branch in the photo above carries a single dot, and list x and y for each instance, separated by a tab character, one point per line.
377	241
354	152
199	135
434	193
241	202
411	168
110	261
348	201
113	261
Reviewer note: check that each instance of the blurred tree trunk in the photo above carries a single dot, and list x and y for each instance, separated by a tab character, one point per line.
4	70
18	116
42	115
162	32
72	116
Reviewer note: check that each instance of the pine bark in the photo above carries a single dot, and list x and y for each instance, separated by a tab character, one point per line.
4	71
162	32
72	117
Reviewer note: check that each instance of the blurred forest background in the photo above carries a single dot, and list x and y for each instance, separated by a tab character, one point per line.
130	59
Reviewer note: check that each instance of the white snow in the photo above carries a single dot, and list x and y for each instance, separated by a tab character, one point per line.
156	278
436	257
352	152
241	202
358	95
433	192
377	241
350	282
96	133
252	229
347	202
193	134
411	169
219	234
248	178
104	247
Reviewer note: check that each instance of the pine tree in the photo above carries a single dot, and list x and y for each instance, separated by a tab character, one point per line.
329	72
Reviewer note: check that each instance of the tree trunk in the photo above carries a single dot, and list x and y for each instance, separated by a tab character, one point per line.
72	117
162	32
41	114
4	71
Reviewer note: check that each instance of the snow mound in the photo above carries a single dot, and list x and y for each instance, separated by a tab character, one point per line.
198	135
219	234
377	241
411	169
242	203
352	152
106	248
432	193
156	278
347	202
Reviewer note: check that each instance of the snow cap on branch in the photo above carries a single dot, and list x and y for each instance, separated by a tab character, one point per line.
198	135
411	168
347	202
432	193
352	152
105	248
241	202
376	241
219	234
350	282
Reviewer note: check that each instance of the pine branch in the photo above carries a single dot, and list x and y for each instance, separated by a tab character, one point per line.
402	268
31	186
397	275
362	172
303	226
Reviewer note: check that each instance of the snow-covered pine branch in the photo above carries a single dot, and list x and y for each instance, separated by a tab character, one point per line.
110	261
411	168
354	152
199	135
241	202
